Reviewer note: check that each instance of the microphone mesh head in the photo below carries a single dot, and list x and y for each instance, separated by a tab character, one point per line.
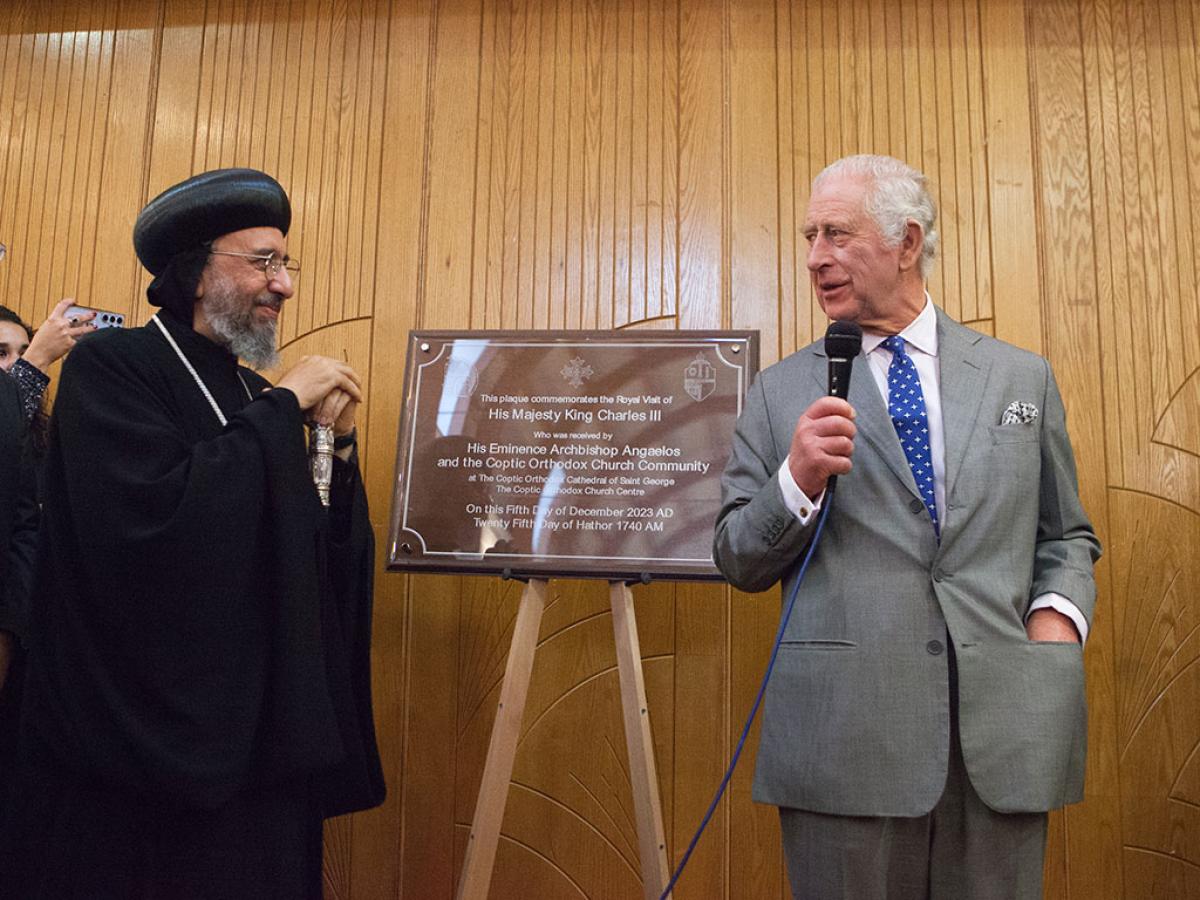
843	340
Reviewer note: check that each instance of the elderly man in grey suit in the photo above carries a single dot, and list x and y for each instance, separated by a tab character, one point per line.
927	706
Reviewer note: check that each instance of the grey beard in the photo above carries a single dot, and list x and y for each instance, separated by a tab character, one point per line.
254	344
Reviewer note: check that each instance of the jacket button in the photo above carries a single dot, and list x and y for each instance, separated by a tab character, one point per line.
915	505
934	647
939	574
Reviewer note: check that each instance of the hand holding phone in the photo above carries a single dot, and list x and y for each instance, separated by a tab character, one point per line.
64	326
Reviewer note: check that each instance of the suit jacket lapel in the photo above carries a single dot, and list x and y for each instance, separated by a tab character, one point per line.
964	375
874	424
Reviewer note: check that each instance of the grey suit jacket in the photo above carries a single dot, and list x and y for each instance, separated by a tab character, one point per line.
857	717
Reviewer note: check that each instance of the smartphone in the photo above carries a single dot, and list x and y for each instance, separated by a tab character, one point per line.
104	318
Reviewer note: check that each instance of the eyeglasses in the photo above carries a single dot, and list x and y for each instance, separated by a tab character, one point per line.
269	265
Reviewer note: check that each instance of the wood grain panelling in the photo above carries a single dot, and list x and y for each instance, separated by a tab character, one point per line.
74	84
647	163
574	164
1116	94
1069	337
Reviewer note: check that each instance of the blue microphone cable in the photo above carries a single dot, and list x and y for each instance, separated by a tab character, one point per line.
783	621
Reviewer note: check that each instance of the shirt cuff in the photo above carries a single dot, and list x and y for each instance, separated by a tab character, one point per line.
32	383
1059	603
795	499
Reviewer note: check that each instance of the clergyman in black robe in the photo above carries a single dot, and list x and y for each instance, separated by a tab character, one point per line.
199	679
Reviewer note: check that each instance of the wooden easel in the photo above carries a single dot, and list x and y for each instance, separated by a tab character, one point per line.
497	771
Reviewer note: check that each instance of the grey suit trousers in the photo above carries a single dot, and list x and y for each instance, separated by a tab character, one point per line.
960	850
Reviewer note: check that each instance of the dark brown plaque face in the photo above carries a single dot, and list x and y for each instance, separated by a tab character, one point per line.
566	453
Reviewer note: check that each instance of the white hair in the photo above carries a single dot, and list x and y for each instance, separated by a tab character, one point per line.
897	194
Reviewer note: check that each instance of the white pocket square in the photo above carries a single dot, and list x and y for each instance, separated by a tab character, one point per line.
1019	413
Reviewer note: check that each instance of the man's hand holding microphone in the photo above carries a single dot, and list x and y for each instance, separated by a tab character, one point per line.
823	440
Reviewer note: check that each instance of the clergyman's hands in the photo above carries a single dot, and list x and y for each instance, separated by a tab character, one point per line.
1048	624
337	409
315	377
822	444
57	335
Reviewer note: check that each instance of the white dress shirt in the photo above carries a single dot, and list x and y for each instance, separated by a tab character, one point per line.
921	344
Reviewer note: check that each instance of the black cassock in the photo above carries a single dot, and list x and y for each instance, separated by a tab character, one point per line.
199	680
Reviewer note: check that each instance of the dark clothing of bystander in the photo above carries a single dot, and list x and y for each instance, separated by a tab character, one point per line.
18	541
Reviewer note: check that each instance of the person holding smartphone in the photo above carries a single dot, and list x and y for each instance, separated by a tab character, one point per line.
27	355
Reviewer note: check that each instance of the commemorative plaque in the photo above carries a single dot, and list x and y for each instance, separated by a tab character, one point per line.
587	454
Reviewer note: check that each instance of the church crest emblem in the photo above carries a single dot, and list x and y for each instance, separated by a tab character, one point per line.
699	378
461	378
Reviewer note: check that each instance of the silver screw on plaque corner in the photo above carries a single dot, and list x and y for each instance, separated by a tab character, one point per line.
424	348
320	449
737	348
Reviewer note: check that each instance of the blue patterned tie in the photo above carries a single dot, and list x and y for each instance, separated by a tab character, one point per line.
906	405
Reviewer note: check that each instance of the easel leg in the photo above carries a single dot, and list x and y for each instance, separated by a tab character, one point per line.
497	771
642	773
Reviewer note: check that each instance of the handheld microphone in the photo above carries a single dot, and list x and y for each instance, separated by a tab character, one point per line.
843	342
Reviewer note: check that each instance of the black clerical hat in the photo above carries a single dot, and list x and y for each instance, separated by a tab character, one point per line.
205	207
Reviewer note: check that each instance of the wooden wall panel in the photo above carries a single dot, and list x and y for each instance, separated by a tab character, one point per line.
572	164
75	86
1115	91
406	47
585	163
1068	335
